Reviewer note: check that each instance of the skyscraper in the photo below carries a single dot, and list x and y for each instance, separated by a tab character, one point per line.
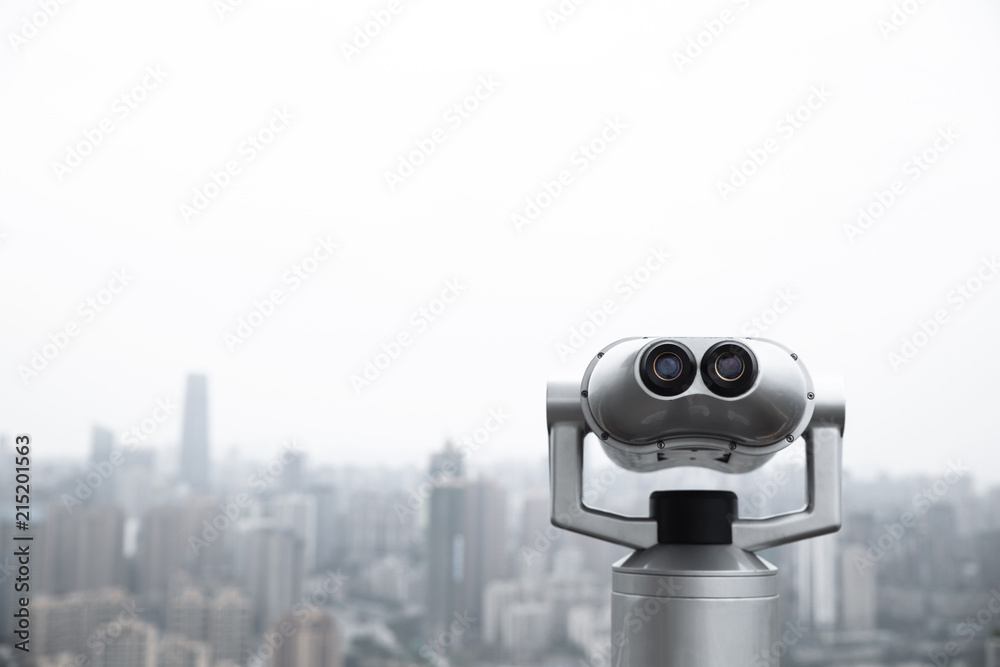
466	548
445	555
194	470
485	540
101	445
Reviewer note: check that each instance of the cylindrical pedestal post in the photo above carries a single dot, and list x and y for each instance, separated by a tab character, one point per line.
684	605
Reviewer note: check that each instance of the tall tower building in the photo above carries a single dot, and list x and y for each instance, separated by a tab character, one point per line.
314	643
485	540
101	444
194	469
448	462
466	545
445	555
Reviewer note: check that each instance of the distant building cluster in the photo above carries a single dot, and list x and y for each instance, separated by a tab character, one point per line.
155	559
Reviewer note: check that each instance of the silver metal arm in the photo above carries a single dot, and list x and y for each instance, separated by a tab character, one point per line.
822	514
567	428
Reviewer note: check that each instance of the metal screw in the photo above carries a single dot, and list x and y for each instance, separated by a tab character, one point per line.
604	436
810	396
732	445
584	393
795	356
600	354
660	445
790	438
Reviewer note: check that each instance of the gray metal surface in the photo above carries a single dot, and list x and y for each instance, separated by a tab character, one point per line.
692	606
692	632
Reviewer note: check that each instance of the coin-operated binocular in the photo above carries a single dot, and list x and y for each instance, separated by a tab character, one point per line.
725	404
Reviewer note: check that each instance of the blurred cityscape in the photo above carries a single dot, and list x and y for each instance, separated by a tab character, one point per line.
177	558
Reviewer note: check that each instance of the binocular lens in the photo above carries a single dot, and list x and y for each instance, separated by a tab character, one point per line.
729	366
668	366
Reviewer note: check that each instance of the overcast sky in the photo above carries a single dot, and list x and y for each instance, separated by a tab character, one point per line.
176	162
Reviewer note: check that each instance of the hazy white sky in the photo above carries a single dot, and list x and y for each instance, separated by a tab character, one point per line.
836	110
